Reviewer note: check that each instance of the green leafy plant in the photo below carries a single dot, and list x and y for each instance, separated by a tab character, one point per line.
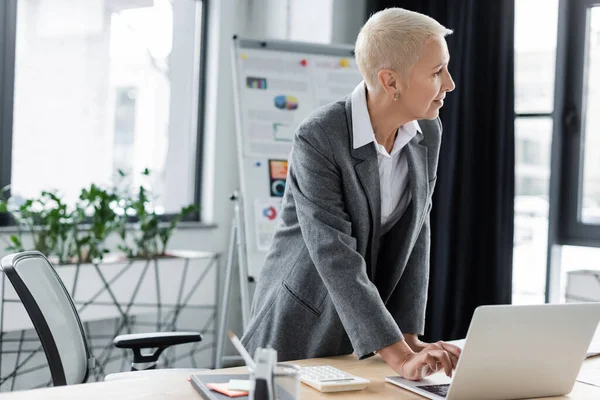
45	218
96	206
14	243
152	233
78	234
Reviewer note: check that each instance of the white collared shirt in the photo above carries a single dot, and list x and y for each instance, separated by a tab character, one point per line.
393	167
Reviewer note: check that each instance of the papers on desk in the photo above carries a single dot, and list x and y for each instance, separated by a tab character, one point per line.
201	383
224	388
594	349
205	385
589	376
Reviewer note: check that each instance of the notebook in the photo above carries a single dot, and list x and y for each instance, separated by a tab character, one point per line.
199	382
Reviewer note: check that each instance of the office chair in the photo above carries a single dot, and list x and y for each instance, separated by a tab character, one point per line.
61	333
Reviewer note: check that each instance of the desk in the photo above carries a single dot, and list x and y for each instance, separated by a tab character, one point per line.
176	387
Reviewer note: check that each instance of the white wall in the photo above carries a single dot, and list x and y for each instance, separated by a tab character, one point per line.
347	18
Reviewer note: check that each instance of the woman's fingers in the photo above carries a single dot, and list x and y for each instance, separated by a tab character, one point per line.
450	348
454	360
431	362
452	351
443	358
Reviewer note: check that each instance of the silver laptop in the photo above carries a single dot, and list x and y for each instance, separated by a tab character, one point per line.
516	352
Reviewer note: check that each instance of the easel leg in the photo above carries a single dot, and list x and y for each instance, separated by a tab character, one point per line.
236	243
225	299
242	267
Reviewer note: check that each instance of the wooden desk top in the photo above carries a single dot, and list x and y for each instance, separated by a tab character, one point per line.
176	387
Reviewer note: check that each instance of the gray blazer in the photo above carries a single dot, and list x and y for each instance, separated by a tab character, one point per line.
331	283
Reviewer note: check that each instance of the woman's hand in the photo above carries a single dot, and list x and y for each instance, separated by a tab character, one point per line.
433	357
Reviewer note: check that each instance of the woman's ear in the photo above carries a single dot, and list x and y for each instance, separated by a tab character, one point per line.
388	81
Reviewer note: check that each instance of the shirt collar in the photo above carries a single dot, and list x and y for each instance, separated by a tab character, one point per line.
362	130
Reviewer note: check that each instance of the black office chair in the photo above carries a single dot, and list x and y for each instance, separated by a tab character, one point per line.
59	328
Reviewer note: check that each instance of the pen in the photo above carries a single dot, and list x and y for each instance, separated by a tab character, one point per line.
242	350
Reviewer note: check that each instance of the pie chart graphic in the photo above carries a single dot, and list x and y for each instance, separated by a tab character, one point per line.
284	102
270	213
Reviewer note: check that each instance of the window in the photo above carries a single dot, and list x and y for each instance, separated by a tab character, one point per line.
590	199
102	86
533	152
535	55
124	140
578	224
581	225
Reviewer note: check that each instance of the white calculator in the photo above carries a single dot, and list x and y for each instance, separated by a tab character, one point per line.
325	378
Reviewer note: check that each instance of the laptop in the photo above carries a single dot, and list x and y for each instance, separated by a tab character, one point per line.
516	352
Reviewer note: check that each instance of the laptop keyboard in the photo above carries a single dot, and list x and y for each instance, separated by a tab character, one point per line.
440	390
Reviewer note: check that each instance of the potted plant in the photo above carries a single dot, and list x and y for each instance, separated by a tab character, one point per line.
152	233
75	238
78	234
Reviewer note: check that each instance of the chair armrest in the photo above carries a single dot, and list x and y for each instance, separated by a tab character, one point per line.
155	339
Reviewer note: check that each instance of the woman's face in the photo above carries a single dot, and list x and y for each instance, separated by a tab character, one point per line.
423	94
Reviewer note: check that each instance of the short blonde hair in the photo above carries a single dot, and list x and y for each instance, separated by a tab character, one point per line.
393	39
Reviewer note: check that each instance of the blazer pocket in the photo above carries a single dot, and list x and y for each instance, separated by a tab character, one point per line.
301	301
305	283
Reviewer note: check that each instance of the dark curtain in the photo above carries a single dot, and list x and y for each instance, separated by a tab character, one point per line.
473	209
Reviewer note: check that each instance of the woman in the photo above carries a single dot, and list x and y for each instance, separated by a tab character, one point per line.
349	263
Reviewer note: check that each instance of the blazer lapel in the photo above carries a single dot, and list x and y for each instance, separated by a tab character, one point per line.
416	156
367	170
368	174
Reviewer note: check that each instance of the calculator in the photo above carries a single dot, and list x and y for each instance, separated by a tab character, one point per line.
326	378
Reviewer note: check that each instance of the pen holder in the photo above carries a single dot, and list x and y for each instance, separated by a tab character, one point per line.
285	383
